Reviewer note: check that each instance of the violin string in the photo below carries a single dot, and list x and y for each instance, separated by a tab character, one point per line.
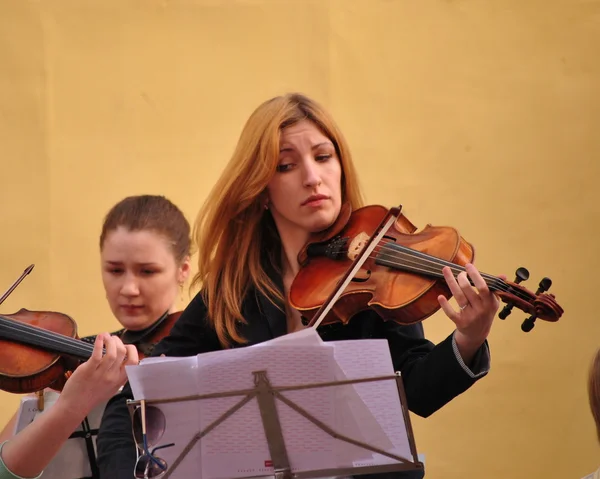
40	337
426	259
432	272
424	263
18	332
44	339
435	264
494	282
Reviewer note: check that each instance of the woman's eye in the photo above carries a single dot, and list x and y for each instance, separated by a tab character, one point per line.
285	167
323	157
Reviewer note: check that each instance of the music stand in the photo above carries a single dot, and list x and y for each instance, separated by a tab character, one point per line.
266	396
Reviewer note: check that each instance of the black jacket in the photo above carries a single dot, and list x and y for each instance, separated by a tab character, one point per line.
432	374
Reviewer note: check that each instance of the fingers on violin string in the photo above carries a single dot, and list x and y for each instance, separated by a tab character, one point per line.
470	295
111	353
97	353
477	279
132	356
455	288
121	353
488	297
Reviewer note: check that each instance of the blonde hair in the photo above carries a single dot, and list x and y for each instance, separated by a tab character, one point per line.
233	232
594	390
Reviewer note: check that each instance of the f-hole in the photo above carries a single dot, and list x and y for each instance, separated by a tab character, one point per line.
362	276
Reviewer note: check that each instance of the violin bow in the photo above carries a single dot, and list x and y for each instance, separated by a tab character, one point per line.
387	222
16	283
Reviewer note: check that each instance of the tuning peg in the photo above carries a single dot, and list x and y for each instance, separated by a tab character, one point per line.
528	324
544	285
505	311
521	274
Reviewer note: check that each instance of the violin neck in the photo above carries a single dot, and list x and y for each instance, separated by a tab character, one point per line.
29	335
406	259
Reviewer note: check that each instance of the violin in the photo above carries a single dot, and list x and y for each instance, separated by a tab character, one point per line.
374	258
41	349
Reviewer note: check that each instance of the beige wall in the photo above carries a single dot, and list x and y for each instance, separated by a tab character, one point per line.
477	114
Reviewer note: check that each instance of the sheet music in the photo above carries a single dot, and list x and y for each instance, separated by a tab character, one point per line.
237	447
165	377
381	397
243	435
303	336
159	377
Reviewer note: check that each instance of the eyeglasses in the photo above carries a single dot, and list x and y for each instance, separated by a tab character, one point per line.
148	427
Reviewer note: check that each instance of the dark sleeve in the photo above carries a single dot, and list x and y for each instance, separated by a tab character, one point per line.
115	446
190	335
432	374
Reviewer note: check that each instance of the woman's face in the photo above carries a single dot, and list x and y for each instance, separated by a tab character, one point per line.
141	276
304	195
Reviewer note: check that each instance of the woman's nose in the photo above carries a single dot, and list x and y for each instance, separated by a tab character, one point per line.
312	175
130	287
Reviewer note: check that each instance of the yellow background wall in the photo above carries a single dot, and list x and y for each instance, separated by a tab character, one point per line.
477	114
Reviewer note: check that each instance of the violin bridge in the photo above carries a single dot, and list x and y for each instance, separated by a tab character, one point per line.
357	245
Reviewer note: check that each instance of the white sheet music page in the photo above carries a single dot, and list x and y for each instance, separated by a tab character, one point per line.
371	358
303	336
167	377
157	378
352	417
238	447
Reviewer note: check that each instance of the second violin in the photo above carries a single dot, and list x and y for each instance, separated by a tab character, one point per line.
38	349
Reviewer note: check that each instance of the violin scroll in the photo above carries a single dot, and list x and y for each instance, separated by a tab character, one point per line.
539	304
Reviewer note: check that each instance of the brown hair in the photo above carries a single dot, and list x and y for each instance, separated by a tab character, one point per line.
594	390
150	213
233	215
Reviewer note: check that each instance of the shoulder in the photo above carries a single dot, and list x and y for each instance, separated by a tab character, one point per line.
195	313
191	334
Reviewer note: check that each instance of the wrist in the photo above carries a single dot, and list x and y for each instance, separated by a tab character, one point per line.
73	411
467	346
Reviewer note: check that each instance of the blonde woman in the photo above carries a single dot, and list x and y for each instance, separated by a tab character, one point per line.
290	176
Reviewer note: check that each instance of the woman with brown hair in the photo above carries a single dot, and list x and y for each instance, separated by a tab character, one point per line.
145	261
290	176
